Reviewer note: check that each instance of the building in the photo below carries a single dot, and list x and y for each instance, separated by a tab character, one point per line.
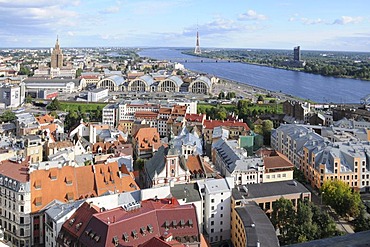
97	94
11	95
165	168
146	142
250	225
56	56
15	201
35	85
232	161
297	53
216	197
265	194
132	224
55	216
321	159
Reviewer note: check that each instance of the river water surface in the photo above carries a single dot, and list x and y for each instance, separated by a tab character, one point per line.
304	85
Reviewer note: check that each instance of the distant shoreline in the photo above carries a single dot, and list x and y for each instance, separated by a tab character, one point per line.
275	67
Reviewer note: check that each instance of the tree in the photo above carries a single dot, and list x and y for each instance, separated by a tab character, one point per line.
7	116
282	217
260	98
78	72
340	197
362	223
54	105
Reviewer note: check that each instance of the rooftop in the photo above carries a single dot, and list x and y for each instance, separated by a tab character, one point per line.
257	225
269	189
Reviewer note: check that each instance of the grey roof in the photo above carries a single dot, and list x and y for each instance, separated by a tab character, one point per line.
261	190
257	225
235	157
359	239
204	79
175	79
43	81
60	209
157	163
118	80
186	192
187	138
215	186
147	79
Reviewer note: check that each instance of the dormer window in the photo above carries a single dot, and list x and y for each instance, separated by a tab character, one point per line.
150	228
125	237
37	184
115	241
134	234
143	231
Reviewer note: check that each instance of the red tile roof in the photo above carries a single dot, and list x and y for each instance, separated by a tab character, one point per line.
195	117
146	114
74	227
140	225
45	119
15	171
211	124
277	161
147	138
71	183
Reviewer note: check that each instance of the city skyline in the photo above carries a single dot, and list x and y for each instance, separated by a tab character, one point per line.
314	25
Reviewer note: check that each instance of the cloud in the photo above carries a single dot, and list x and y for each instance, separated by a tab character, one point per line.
308	21
348	20
220	26
36	18
252	15
110	10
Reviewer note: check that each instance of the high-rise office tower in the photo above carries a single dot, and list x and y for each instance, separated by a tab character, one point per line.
297	53
57	56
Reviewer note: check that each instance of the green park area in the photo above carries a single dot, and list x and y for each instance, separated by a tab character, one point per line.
81	106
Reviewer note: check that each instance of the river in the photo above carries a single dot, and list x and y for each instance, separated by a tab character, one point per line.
304	85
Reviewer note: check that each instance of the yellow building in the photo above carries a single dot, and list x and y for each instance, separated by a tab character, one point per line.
250	226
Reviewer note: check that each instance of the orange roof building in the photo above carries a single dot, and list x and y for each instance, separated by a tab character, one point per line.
146	141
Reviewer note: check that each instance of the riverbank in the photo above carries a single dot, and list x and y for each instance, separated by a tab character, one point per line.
303	85
296	69
246	91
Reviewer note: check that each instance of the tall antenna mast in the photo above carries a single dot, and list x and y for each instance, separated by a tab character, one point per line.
197	46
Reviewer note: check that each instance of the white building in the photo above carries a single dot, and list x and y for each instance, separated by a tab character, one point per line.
10	95
97	94
55	216
216	197
232	161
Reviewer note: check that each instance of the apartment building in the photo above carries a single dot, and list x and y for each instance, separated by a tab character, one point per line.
216	197
321	159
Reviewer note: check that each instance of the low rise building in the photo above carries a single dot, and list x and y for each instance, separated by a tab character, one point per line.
97	95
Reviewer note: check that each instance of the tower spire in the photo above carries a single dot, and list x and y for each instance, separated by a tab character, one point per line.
197	46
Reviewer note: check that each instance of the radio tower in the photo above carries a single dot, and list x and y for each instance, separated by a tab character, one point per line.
197	47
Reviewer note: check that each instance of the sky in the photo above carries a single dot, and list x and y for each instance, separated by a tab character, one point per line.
341	25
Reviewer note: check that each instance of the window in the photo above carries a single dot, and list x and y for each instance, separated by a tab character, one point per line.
213	207
212	200
222	208
222	215
212	230
212	223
